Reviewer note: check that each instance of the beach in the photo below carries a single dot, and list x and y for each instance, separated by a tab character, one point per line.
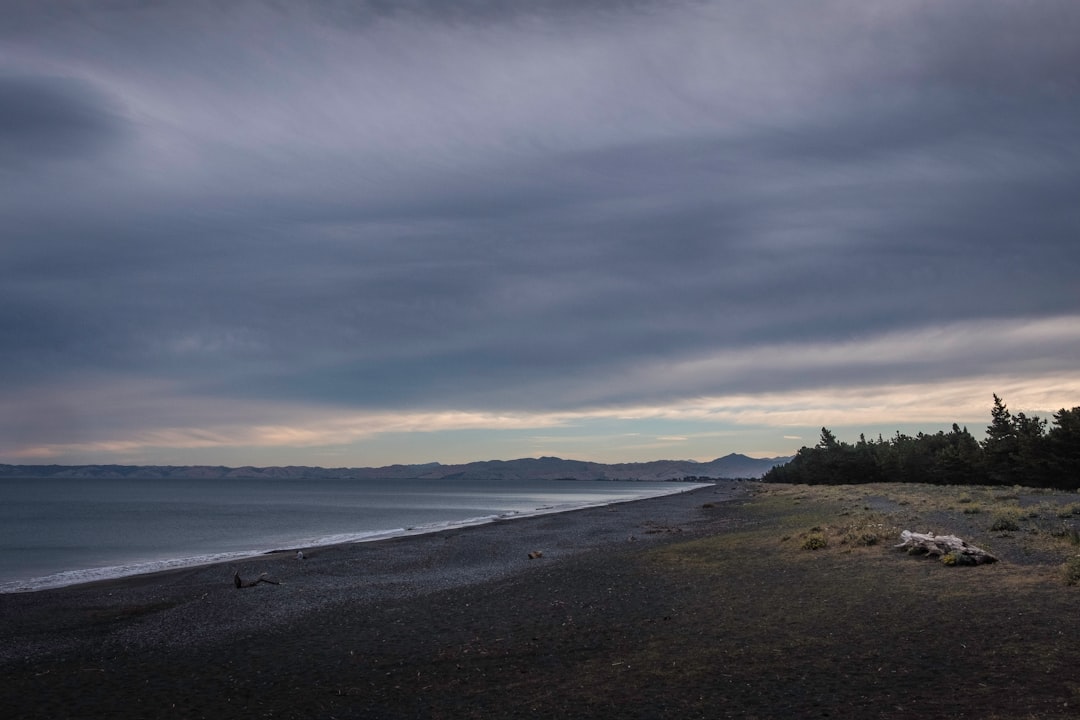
700	604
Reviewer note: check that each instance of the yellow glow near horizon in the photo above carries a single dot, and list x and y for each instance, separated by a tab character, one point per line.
933	403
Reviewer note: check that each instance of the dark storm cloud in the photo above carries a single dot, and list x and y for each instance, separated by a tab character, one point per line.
46	118
527	205
463	11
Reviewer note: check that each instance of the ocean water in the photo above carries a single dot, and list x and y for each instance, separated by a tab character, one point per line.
57	532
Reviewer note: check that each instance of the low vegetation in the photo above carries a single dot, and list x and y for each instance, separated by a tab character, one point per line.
1071	570
1028	526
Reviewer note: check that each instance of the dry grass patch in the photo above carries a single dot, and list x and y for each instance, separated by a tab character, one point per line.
1020	527
1068	511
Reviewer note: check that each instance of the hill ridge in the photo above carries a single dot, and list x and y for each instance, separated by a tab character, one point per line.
733	465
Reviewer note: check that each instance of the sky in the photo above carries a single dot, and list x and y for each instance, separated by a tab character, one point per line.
371	232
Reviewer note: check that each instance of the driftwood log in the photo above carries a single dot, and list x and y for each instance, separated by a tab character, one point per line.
263	578
951	549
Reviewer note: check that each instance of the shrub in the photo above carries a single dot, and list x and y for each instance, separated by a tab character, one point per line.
1069	510
1071	535
1071	570
865	539
1005	522
815	541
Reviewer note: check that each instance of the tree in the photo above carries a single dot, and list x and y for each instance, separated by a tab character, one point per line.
828	440
1018	449
959	461
1063	449
1001	445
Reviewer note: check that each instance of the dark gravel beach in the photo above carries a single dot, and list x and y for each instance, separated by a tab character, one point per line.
694	605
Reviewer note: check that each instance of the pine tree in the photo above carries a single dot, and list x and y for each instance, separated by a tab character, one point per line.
1001	445
1063	447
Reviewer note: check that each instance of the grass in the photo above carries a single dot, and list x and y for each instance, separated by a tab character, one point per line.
1065	511
1037	523
1039	530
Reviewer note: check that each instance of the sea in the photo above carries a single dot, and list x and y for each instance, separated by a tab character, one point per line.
56	532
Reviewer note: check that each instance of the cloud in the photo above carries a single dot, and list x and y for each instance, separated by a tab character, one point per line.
472	211
45	119
836	401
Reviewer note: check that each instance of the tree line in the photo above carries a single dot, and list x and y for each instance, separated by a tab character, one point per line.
1017	450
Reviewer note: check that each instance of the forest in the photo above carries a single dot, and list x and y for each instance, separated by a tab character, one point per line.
1017	450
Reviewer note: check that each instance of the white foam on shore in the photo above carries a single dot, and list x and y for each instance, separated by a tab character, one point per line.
114	572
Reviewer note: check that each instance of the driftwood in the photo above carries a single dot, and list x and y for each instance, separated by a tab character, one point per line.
951	549
263	578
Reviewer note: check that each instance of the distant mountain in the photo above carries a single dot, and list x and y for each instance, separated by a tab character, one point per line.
729	466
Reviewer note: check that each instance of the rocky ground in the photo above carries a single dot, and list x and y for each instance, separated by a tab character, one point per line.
709	604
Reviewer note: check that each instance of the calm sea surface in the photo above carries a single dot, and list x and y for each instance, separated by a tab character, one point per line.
58	532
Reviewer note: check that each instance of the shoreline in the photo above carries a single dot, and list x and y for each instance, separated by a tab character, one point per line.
85	576
193	606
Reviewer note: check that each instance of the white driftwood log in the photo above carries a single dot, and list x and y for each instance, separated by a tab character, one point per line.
951	549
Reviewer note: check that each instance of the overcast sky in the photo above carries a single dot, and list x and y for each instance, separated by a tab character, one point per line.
358	233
